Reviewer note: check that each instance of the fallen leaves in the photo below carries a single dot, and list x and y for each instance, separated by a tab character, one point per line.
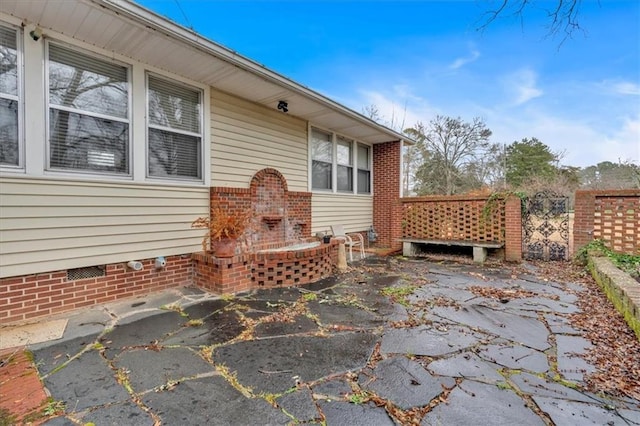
500	293
616	349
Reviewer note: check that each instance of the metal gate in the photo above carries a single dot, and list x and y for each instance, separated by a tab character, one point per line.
546	227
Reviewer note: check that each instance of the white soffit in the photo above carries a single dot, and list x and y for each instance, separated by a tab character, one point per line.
128	29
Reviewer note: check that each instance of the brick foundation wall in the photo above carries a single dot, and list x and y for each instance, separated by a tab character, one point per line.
387	210
29	297
610	215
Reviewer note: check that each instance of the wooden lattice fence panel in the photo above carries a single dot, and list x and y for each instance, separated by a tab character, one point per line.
453	218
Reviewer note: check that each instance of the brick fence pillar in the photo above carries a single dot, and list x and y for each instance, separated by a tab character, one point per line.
612	215
387	209
584	212
513	229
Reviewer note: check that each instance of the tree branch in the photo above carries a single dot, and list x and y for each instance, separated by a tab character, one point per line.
563	18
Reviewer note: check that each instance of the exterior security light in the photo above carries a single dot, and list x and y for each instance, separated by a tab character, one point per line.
36	34
283	105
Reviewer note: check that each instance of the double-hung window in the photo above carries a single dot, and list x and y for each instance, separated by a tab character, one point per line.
10	91
344	157
364	169
339	164
88	99
321	160
174	130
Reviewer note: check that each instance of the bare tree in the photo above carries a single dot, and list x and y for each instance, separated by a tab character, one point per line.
450	148
372	112
609	175
411	156
395	122
411	159
563	15
488	169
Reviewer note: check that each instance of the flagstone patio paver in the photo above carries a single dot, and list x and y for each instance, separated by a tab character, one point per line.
337	351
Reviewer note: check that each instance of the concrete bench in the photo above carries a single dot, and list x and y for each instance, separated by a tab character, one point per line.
409	246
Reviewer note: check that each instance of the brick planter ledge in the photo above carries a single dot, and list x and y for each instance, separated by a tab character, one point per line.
622	290
264	269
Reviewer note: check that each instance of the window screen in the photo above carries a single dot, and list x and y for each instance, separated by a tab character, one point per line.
9	97
322	159
345	165
88	113
175	130
364	172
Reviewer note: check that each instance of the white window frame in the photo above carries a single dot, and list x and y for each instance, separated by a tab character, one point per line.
128	120
19	98
338	140
332	179
34	112
334	164
200	135
148	125
369	165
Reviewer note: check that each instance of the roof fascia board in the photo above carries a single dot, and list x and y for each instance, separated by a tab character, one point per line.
152	20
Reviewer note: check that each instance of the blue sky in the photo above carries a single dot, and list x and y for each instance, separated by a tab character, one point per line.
414	59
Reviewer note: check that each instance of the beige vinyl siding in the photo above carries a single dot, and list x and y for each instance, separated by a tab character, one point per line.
247	137
354	212
48	225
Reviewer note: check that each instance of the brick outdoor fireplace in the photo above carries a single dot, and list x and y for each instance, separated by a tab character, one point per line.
277	249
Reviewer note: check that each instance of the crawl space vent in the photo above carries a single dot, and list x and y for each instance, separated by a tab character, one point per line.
86	272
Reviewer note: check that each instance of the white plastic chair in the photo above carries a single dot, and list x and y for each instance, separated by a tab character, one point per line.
350	240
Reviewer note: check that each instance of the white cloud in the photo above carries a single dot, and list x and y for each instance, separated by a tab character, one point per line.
622	87
460	62
584	140
521	86
625	141
561	136
589	121
581	143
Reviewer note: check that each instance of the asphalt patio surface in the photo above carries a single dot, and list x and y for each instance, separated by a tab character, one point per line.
393	341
